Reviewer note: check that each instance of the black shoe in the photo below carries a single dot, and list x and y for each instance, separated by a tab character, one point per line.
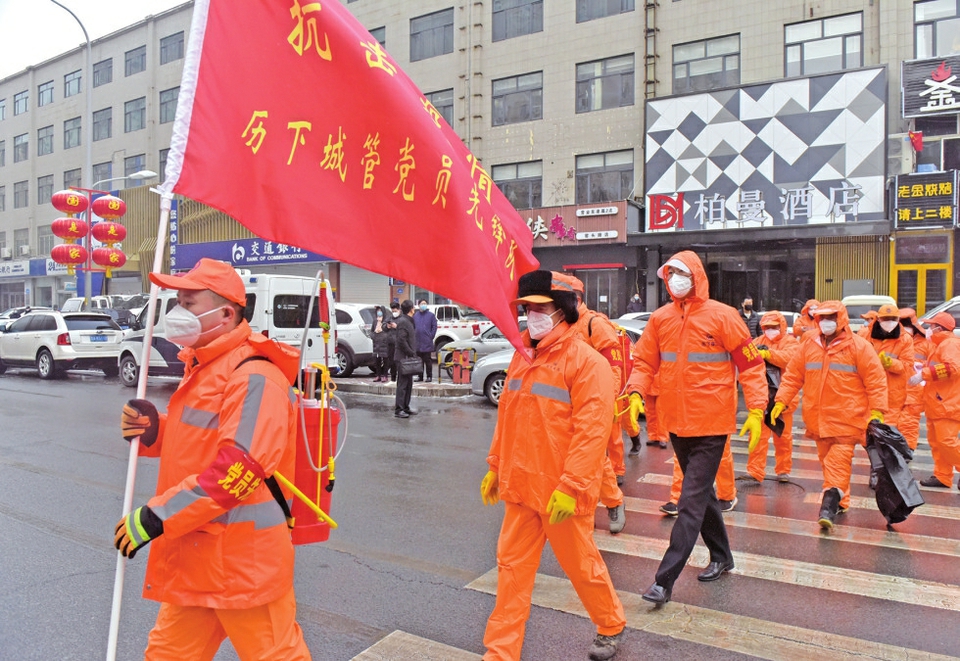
429	379
619	480
663	445
670	509
653	442
829	507
605	647
635	446
714	570
728	505
657	594
401	414
411	411
932	481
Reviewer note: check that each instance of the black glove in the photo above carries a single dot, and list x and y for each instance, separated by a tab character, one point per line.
140	418
135	530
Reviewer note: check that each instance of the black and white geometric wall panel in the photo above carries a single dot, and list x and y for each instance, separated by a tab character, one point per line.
796	152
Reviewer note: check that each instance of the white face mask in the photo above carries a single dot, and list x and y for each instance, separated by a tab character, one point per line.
540	324
183	326
680	285
888	326
828	327
771	333
396	314
908	329
928	333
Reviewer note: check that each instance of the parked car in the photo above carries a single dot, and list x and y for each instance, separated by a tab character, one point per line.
861	304
489	375
487	342
54	341
112	305
17	312
456	323
354	343
163	352
952	307
633	327
641	316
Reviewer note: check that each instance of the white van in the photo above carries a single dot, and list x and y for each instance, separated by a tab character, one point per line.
163	354
863	303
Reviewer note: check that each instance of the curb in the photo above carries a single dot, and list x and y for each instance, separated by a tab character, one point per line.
426	390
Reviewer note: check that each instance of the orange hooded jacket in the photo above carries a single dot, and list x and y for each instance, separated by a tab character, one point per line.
941	394
841	382
901	352
783	347
803	322
697	345
599	332
554	422
225	541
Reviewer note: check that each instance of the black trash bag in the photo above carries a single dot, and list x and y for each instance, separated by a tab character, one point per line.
897	491
773	384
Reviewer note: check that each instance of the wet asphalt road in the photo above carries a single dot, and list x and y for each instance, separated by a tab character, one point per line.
413	535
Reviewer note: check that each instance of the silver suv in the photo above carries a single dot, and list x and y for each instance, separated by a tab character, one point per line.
354	344
56	341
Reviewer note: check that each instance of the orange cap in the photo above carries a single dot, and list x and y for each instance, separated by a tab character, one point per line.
218	277
942	319
869	315
888	312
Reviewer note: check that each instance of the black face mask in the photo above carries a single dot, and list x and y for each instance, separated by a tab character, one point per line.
748	308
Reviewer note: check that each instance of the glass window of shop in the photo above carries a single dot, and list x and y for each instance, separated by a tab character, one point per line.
936	28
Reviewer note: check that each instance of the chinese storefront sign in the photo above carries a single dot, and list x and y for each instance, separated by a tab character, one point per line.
566	225
930	86
926	200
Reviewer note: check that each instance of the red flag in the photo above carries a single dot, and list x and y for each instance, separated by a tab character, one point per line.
916	139
294	120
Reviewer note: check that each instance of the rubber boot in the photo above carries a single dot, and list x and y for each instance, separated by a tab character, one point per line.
829	507
634	446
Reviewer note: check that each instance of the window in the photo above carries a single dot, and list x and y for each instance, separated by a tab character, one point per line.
431	35
71	133
45	240
44	189
3	109
103	72
21	194
705	65
21	102
936	28
3	240
135	61
380	34
133	164
604	177
72	178
168	104
163	164
3	153
290	311
515	18
45	141
102	171
605	84
102	124
823	45
521	183
518	99
171	48
21	238
71	84
3	198
443	102
587	10
45	94
135	115
21	147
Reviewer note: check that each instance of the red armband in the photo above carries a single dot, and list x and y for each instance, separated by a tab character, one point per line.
746	356
232	477
940	371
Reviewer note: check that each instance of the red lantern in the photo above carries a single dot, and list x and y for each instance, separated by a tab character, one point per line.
69	229
69	254
109	258
109	207
109	232
69	202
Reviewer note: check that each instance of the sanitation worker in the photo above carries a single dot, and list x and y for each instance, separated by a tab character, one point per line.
221	559
909	423
805	321
894	347
699	347
941	398
844	388
776	347
545	463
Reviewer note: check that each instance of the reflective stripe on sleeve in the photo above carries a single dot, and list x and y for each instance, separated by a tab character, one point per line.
814	366
199	418
893	355
840	367
668	356
250	412
698	357
550	392
263	515
179	502
292	395
514	384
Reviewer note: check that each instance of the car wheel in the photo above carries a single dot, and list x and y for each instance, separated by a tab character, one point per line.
441	343
45	365
129	372
493	388
344	360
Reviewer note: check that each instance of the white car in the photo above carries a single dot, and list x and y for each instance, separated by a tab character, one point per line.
54	341
354	343
861	304
951	307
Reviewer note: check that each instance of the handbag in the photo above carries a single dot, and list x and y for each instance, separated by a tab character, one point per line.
411	366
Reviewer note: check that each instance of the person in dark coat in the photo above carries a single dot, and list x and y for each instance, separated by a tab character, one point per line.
406	348
381	345
750	318
426	324
392	338
635	305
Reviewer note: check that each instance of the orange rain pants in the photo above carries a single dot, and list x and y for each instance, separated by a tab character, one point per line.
654	433
782	449
263	633
726	479
522	537
610	494
836	459
945	448
615	449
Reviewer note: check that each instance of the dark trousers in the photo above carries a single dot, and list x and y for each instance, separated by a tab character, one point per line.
380	365
427	363
404	390
390	362
699	510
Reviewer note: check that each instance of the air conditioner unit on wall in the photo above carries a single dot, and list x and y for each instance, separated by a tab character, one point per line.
7	253
901	159
24	251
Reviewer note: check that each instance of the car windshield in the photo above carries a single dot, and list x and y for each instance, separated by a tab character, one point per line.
854	311
492	333
135	301
369	315
72	305
91	322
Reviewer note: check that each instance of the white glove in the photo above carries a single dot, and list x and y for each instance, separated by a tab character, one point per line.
915	380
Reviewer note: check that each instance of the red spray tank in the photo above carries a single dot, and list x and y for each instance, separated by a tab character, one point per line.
315	450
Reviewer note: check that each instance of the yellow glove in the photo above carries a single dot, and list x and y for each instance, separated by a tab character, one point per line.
765	354
778	409
885	360
490	488
560	507
753	426
629	416
876	415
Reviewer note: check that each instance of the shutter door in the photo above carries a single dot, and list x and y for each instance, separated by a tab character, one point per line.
360	286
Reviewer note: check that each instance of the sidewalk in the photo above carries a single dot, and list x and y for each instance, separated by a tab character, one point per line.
432	390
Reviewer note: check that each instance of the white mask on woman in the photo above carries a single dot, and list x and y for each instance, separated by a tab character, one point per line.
183	327
771	333
540	324
888	326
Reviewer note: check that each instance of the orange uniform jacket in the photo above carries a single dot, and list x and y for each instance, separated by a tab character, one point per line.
804	323
901	352
697	345
941	395
225	541
841	383
553	432
782	348
598	331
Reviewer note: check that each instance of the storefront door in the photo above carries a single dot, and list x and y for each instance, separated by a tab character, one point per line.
921	270
602	290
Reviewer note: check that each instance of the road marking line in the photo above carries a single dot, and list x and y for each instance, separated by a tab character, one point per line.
797	572
812	456
402	646
856	535
712	628
861	503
